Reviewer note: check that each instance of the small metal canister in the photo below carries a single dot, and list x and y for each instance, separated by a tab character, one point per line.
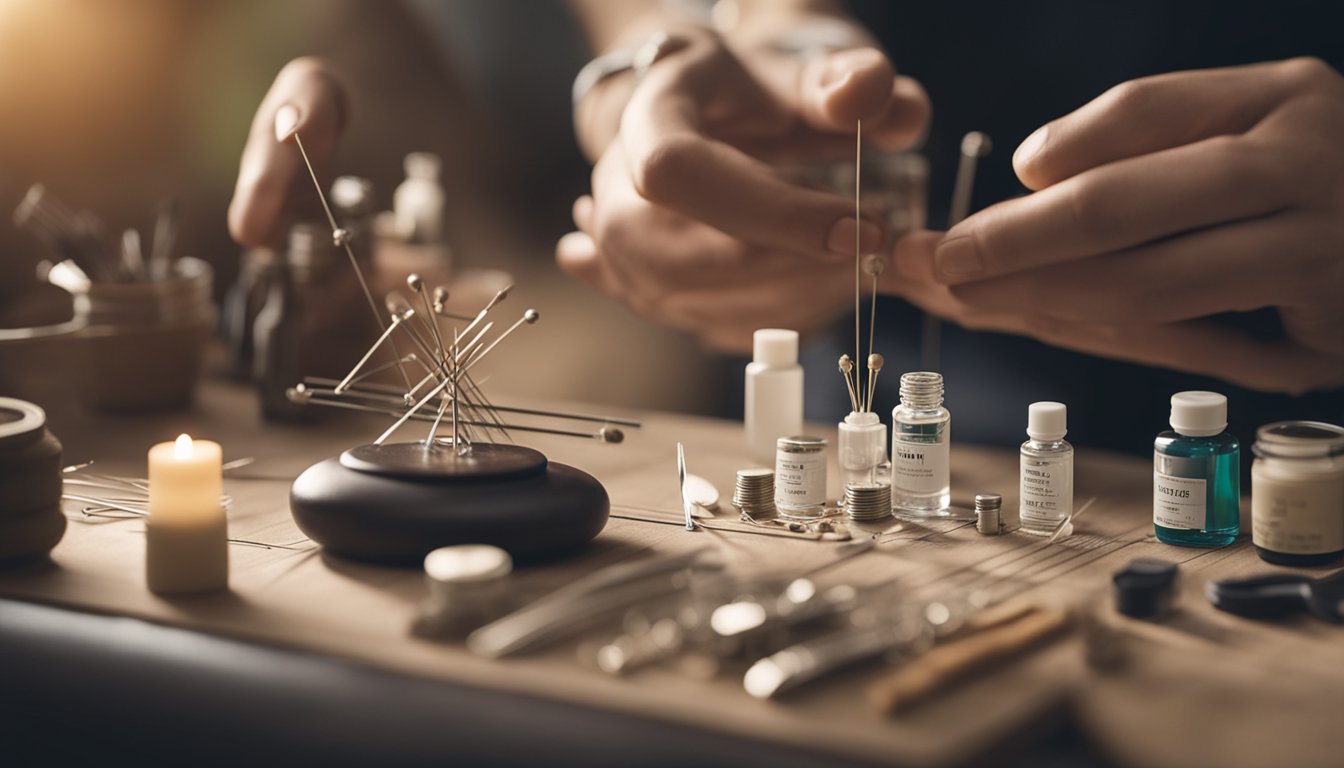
989	514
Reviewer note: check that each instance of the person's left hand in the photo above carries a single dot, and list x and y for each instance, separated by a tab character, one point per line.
1165	201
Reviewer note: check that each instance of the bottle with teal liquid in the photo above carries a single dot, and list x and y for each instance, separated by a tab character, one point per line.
1196	467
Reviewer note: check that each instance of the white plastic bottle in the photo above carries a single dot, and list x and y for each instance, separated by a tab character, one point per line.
419	203
862	447
1046	472
774	392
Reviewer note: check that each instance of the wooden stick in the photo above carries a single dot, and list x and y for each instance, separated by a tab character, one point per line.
946	664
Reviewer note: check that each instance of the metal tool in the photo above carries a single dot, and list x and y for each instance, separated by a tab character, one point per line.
573	608
1277	595
686	507
974	146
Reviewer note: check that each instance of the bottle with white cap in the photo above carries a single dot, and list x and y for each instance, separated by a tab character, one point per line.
774	392
1196	467
419	203
1046	476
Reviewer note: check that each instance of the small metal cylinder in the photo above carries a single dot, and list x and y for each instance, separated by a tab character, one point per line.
989	514
800	477
467	588
754	493
866	502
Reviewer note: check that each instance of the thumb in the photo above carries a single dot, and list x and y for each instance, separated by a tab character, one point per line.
837	89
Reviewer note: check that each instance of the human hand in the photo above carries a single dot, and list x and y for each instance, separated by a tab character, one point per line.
1165	201
691	227
305	97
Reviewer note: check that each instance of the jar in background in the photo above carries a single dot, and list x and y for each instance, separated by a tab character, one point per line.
145	341
1297	493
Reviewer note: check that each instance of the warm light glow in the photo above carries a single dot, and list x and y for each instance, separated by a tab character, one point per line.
182	448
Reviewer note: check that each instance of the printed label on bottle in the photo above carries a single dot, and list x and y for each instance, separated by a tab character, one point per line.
1044	487
1179	502
800	482
919	467
1297	518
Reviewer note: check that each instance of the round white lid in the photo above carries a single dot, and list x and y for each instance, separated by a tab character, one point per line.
774	346
467	562
1047	421
1198	414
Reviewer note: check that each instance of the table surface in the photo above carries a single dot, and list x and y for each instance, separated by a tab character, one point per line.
1198	688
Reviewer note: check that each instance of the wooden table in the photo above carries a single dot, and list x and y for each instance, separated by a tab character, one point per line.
1199	688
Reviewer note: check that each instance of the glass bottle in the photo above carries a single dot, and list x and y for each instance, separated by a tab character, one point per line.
920	478
1196	468
1045	485
1297	493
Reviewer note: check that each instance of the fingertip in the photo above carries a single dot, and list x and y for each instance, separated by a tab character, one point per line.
576	254
907	117
582	213
286	122
859	86
913	255
1027	159
848	236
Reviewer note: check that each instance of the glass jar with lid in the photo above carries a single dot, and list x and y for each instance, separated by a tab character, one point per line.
1297	493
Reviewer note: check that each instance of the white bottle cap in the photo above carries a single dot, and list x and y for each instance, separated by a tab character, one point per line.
1047	421
774	346
422	165
467	563
1198	414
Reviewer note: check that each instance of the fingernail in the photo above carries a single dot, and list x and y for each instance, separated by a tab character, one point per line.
286	121
958	257
840	240
1029	146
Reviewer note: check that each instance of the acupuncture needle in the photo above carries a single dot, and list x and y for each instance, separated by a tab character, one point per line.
341	237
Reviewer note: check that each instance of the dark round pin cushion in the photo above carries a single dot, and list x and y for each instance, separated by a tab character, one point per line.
393	504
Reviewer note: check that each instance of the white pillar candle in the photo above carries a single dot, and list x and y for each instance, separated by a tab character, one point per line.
185	479
186	532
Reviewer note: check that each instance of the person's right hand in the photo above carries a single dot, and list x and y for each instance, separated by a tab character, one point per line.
690	226
305	98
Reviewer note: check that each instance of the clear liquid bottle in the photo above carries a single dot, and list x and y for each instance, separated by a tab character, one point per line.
920	435
1196	474
1046	471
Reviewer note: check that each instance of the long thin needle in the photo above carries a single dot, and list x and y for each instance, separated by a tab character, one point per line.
858	256
344	241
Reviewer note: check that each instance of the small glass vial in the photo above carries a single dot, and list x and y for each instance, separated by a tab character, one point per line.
774	391
1046	472
989	514
920	484
1196	485
1297	493
800	477
862	447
